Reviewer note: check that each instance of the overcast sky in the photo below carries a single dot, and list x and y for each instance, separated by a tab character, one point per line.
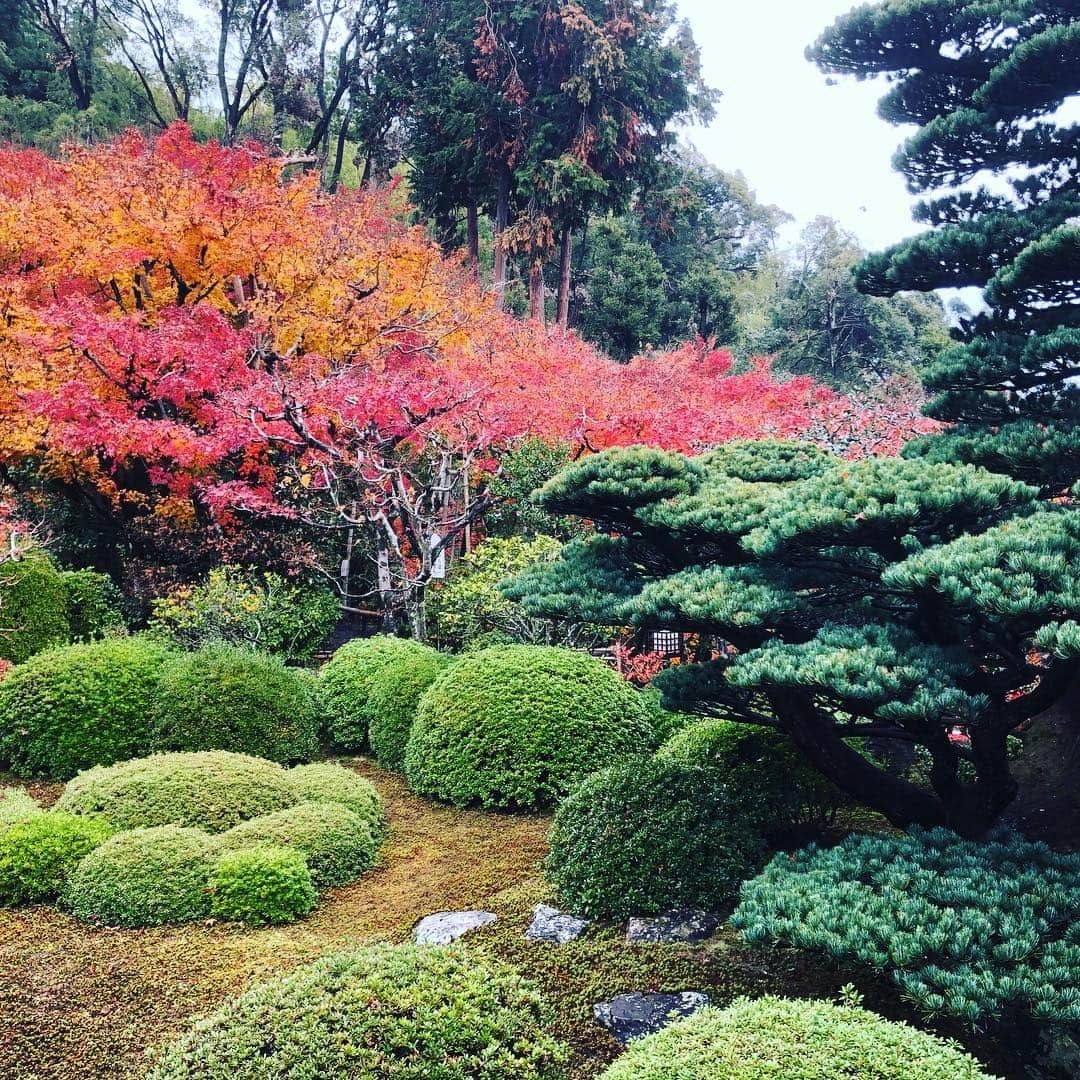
808	147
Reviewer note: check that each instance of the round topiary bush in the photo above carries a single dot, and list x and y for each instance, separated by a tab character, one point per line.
82	705
337	844
38	853
792	1040
375	1013
646	836
346	681
396	690
761	768
324	781
33	607
261	885
212	790
518	725
224	697
144	877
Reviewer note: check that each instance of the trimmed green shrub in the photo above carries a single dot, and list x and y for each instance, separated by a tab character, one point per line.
261	885
519	725
33	607
93	603
396	690
323	781
974	929
212	790
346	682
16	806
338	844
375	1013
81	705
38	854
792	1040
244	608
144	877
229	698
648	835
665	723
762	769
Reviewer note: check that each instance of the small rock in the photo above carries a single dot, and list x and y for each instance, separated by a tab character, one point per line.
550	924
446	926
675	926
629	1016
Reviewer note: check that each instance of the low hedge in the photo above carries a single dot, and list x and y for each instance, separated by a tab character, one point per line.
225	697
338	845
144	877
792	1040
77	706
213	790
375	1013
37	854
647	836
519	725
324	781
395	694
346	682
33	607
261	885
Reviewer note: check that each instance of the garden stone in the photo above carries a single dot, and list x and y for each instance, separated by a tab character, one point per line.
550	924
446	926
674	926
629	1016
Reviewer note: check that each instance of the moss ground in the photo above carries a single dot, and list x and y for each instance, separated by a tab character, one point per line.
82	1002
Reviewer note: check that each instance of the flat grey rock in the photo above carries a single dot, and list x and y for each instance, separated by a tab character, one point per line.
673	927
446	926
550	924
630	1016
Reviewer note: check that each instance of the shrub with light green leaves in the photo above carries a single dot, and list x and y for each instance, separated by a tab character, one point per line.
227	698
792	1040
519	725
974	929
396	690
346	682
17	805
211	790
375	1013
144	877
93	604
323	781
38	853
33	607
77	706
647	836
261	886
337	844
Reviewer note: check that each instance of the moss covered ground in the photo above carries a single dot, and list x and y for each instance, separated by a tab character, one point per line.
80	1002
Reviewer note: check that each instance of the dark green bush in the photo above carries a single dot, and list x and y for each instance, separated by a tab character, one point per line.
761	768
375	1013
38	853
646	836
346	682
212	790
33	607
665	723
518	725
144	877
261	885
93	604
82	705
778	1039
324	781
975	929
338	844
228	698
396	690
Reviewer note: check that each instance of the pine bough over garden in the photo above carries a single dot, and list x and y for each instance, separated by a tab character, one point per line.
889	598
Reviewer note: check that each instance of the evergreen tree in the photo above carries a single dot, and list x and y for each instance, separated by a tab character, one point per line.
984	80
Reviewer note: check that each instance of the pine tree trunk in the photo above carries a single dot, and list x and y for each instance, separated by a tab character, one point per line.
473	229
565	254
502	221
536	290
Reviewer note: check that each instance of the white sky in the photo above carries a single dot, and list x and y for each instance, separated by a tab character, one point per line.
808	147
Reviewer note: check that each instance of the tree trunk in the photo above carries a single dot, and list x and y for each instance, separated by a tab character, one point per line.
473	229
386	591
536	289
565	254
502	221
